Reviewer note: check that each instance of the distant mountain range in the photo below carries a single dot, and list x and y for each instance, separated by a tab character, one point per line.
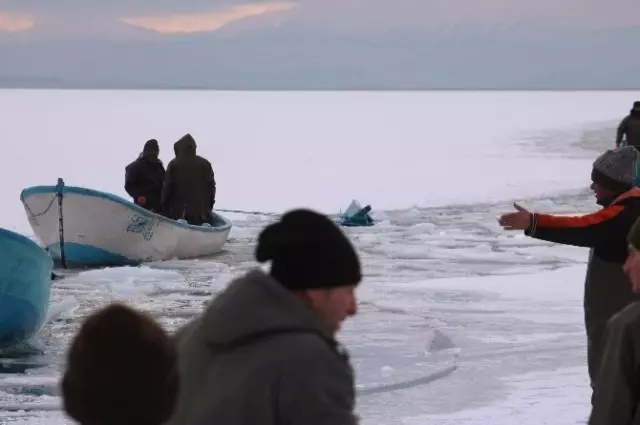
304	59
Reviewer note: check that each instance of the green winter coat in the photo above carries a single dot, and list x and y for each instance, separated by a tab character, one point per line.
259	356
617	396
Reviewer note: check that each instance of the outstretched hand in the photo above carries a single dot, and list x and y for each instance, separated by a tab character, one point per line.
519	220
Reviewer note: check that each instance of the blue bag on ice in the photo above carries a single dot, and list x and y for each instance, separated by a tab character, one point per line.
356	216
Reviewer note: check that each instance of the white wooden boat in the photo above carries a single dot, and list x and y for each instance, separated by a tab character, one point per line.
83	227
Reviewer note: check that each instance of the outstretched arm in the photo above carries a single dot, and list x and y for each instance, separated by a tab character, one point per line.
588	230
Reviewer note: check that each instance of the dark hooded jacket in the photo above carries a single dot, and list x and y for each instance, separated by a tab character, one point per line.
607	288
630	126
189	188
144	177
259	356
617	397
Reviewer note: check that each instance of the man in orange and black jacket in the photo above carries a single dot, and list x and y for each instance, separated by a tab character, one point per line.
607	288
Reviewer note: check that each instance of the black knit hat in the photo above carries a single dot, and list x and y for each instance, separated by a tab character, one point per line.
121	369
308	251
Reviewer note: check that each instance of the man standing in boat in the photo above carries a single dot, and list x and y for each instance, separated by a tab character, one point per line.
630	126
144	177
189	189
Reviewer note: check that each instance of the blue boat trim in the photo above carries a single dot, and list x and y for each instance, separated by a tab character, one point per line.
77	254
17	237
53	190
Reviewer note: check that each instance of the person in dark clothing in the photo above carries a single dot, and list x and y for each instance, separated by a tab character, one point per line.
121	369
144	177
607	287
189	190
630	126
264	351
617	396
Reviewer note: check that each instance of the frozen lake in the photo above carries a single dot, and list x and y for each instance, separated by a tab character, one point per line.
438	168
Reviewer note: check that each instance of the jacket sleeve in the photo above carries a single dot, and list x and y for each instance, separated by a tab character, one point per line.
316	386
167	188
616	394
590	230
162	173
212	182
622	128
130	177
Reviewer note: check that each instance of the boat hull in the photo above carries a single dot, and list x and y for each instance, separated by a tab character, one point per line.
25	285
83	227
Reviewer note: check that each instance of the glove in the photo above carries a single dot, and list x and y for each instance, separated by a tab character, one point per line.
142	201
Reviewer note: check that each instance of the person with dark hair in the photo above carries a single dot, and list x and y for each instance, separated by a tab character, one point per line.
630	126
121	370
607	289
264	351
189	189
144	177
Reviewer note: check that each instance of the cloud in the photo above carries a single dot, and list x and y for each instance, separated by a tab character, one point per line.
206	21
16	21
344	17
110	9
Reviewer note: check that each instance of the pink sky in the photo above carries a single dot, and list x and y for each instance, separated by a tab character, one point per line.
343	15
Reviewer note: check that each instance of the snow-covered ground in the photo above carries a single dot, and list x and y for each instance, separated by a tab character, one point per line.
459	322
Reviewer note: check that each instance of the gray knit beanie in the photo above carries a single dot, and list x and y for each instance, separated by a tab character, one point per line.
617	169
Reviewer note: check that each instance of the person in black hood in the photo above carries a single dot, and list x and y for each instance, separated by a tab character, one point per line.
144	177
189	190
630	126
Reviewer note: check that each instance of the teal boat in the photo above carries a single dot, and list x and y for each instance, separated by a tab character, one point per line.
25	280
